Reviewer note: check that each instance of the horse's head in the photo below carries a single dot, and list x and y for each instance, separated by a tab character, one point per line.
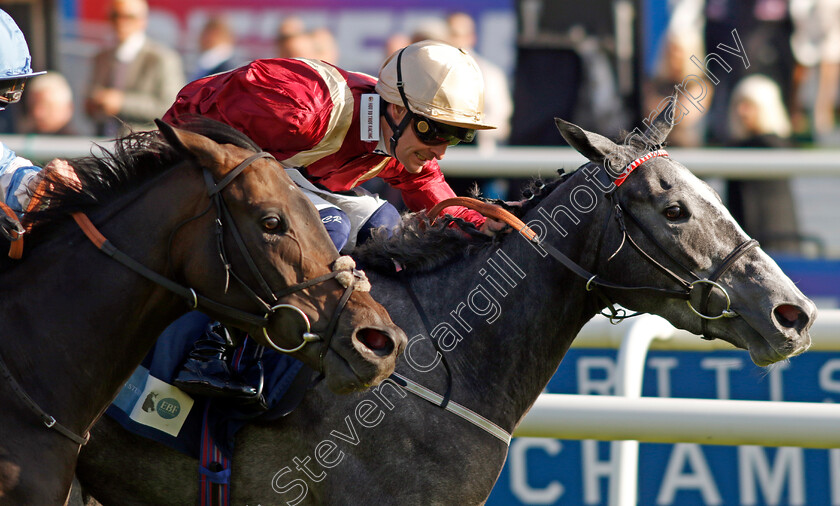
668	229
270	255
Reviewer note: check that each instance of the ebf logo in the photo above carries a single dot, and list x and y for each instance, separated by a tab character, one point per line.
168	408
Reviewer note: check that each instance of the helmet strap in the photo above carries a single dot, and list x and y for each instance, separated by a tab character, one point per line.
398	130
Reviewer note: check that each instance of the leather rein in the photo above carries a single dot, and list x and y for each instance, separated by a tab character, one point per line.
593	280
196	301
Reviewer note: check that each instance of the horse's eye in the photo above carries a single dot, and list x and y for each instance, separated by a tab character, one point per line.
274	224
674	213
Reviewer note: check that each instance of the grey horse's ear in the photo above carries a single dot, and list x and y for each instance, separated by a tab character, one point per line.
591	145
662	125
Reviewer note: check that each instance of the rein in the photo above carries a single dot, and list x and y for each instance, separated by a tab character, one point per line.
343	271
197	301
593	281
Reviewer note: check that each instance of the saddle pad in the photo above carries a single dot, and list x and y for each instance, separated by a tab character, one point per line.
149	406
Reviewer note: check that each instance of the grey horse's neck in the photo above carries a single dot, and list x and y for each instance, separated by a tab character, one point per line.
506	316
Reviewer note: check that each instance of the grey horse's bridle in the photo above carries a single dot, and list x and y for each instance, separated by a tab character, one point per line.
707	284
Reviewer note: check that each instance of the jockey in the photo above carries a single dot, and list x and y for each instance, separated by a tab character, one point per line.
16	173
332	130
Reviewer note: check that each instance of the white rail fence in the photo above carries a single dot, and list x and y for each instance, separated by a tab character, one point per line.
528	161
628	418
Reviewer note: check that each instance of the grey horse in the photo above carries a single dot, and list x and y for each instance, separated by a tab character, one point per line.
503	314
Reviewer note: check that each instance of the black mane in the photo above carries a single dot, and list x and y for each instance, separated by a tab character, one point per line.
133	160
418	246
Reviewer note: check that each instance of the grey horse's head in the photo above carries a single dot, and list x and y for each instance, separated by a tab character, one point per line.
696	235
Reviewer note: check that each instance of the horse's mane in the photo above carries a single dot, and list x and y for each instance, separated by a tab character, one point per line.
418	246
133	160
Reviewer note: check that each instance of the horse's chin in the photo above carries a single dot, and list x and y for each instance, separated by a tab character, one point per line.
760	344
342	377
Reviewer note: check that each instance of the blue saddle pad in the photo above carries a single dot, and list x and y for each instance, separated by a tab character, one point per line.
148	404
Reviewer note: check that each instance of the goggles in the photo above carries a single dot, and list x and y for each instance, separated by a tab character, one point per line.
433	133
11	90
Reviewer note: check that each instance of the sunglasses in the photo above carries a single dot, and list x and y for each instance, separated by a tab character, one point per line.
11	90
433	133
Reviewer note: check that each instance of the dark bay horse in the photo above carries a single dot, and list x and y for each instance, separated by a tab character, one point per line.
76	323
503	315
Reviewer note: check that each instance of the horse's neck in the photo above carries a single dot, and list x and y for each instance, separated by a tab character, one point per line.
517	313
74	316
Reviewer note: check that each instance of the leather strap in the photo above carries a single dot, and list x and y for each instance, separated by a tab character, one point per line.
48	420
488	210
16	244
453	407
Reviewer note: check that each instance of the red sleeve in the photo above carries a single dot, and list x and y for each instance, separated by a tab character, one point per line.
283	105
425	189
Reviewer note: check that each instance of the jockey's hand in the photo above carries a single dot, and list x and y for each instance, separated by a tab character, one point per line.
65	171
493	227
9	225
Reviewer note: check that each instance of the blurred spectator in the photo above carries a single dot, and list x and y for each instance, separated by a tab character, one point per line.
324	45
431	29
216	44
396	42
498	105
293	41
49	106
135	81
673	69
764	28
816	46
764	207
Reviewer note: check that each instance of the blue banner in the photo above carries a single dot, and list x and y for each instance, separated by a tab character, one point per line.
547	471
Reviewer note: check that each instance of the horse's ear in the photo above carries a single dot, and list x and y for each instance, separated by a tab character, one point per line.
204	150
591	145
661	126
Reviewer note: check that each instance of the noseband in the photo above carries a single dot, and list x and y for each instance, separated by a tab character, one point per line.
269	302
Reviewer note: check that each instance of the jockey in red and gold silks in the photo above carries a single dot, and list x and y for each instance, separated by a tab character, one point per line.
307	113
337	129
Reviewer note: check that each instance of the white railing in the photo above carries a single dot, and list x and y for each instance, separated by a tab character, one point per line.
528	161
628	418
705	162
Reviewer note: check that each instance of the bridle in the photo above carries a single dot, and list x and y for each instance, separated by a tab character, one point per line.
594	282
353	280
706	284
269	302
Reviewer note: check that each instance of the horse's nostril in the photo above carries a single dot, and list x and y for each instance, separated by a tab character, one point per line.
789	316
376	340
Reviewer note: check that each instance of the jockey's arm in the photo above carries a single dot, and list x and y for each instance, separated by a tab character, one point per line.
19	180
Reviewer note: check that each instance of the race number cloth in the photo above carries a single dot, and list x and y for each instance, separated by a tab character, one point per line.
150	406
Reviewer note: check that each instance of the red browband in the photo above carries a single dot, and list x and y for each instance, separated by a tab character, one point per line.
636	163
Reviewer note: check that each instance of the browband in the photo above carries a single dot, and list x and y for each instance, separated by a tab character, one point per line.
636	163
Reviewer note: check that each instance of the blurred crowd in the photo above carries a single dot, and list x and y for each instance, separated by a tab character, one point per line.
784	94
